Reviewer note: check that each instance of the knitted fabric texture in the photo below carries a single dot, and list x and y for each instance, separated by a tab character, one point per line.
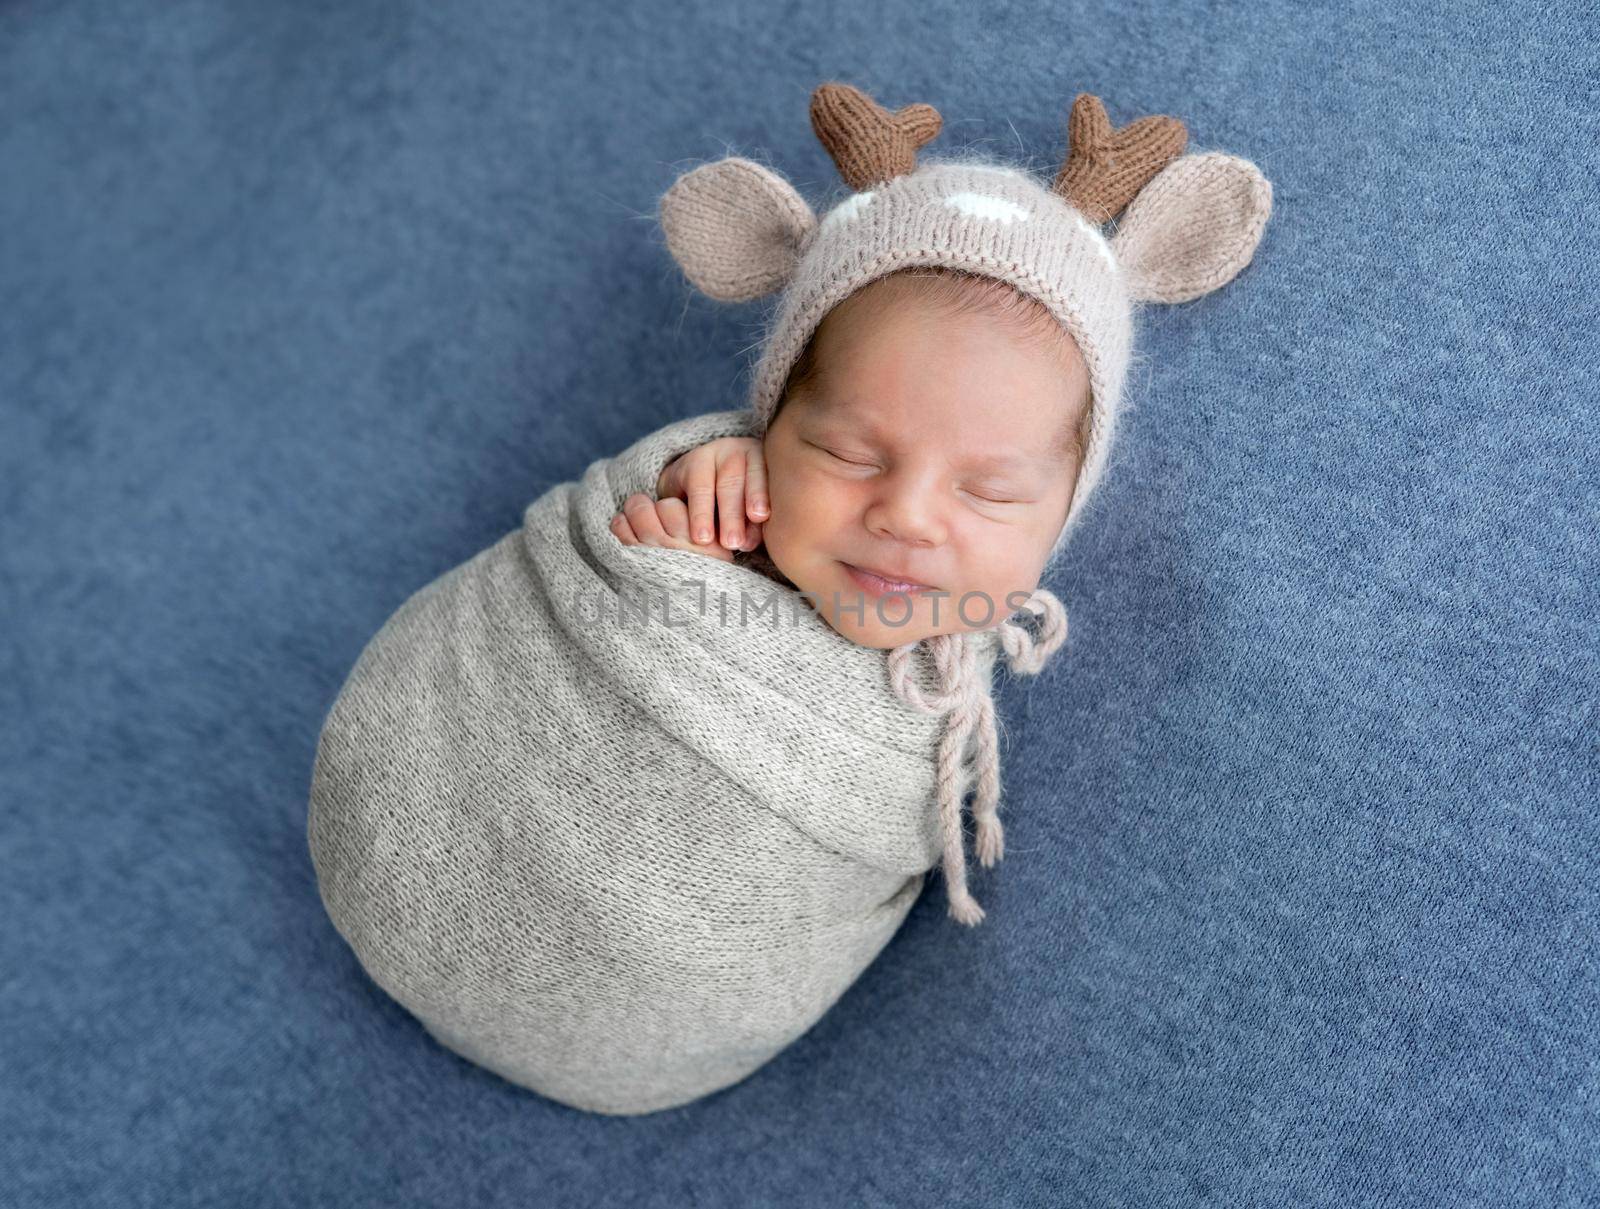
739	231
574	809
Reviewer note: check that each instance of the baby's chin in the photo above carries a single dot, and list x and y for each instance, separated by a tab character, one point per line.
897	618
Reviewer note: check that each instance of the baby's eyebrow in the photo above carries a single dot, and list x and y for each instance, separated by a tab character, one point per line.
1008	461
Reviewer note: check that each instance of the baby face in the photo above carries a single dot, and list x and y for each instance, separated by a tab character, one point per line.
933	448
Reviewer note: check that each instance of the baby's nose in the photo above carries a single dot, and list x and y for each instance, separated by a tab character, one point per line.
907	514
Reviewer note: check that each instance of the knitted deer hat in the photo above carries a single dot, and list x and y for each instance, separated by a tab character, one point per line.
1189	224
740	231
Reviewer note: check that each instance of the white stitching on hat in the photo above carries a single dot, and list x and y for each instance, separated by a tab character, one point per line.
1099	241
982	205
850	207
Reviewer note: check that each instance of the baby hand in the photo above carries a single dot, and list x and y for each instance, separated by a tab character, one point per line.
647	522
729	475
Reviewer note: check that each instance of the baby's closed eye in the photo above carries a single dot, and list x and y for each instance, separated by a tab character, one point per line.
985	491
999	494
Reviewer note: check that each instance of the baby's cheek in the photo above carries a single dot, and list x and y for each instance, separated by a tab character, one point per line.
997	573
793	550
802	513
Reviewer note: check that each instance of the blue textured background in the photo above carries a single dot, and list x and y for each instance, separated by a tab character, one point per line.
303	303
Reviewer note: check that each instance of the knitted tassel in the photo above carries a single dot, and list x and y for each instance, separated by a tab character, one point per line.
969	705
961	674
991	842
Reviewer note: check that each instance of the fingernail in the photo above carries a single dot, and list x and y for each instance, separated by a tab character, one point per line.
702	535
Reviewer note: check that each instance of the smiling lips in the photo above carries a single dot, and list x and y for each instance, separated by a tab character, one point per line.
881	585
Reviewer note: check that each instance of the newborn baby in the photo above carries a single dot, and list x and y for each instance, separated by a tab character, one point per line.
625	864
918	469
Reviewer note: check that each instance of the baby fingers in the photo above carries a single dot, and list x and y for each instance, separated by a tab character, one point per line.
624	530
639	511
673	514
755	488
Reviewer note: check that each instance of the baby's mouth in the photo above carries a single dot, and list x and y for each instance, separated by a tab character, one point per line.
879	585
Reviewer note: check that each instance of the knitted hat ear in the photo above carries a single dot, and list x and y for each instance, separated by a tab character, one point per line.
735	228
1193	227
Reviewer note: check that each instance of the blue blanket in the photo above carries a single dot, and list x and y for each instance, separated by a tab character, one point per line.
303	303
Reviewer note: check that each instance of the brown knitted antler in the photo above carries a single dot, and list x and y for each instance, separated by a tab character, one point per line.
868	143
1106	168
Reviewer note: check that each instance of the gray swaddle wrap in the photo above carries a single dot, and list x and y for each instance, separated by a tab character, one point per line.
622	865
